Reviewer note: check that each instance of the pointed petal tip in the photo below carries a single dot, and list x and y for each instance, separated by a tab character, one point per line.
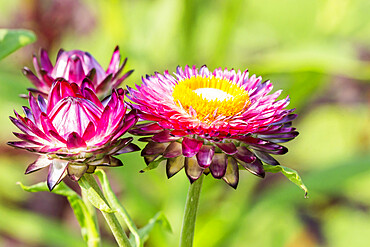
234	186
51	185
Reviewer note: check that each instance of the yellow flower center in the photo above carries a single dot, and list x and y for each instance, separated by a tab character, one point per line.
210	97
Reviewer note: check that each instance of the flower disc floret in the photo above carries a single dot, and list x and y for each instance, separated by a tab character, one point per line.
210	97
73	131
211	122
74	66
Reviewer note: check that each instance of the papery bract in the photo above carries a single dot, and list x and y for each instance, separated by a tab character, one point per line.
73	131
211	122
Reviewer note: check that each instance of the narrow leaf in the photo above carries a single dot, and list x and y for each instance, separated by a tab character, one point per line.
96	198
121	212
159	219
152	165
60	189
79	208
291	174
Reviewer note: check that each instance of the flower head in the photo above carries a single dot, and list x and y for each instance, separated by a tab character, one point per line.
74	66
74	131
211	122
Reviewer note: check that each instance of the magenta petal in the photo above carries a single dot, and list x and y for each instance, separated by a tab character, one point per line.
31	76
35	129
286	119
90	95
265	157
87	82
114	63
245	155
76	71
178	133
89	132
28	113
28	138
117	73
190	146
56	172
205	155
149	126
227	147
46	124
276	149
45	60
48	80
74	140
140	132
42	103
126	126
35	109
24	145
219	164
288	135
119	81
20	125
255	168
104	85
104	121
41	162
164	136
57	136
60	53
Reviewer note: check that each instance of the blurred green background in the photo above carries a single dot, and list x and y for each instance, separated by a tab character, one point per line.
317	51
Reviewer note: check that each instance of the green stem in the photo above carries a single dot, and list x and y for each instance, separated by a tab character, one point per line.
190	214
93	227
120	209
110	217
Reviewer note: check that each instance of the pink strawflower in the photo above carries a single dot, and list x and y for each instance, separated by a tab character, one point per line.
209	122
74	66
73	131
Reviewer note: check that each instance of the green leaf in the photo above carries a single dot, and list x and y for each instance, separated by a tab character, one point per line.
121	212
291	174
159	219
152	165
11	40
83	216
60	189
94	196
